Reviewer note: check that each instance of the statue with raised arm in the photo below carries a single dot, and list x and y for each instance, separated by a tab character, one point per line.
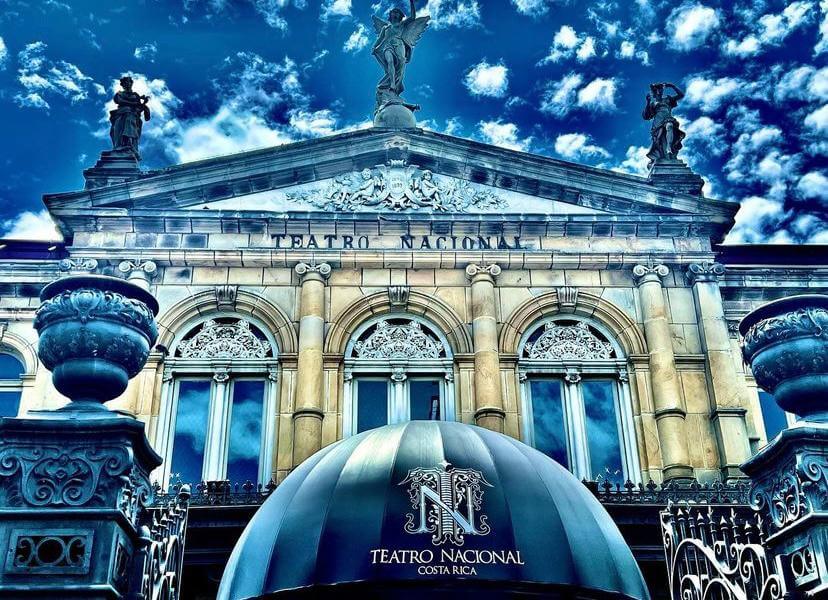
664	130
396	39
126	120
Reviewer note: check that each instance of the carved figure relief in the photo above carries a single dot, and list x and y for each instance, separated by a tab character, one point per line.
399	187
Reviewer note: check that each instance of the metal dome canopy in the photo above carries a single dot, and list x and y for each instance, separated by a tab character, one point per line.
431	508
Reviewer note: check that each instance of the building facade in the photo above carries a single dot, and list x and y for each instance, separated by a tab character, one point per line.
316	290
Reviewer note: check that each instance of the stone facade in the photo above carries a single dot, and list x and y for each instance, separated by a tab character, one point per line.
246	237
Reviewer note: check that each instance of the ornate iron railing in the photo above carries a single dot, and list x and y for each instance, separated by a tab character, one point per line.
694	492
222	493
160	560
717	557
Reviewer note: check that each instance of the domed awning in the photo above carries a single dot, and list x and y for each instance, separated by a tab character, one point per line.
431	508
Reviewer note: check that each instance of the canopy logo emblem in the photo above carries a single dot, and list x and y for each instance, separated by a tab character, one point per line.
447	503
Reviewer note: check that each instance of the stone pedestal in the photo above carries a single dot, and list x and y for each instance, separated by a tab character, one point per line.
675	175
395	116
669	409
112	167
73	488
488	393
308	412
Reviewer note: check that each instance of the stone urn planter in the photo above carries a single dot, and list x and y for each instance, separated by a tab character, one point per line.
96	333
786	345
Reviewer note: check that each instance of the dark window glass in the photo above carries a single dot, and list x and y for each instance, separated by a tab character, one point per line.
190	430
602	429
772	415
11	367
424	395
9	404
245	430
548	418
372	404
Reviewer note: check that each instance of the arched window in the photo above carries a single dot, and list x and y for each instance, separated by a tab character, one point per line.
11	385
219	393
576	401
397	369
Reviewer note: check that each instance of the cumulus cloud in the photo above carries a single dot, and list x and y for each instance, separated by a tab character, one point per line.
635	161
822	43
30	225
271	11
690	25
756	219
357	40
504	135
628	50
532	8
335	8
566	94
488	80
709	94
452	13
818	120
147	52
770	30
567	43
41	78
814	185
4	54
578	146
802	83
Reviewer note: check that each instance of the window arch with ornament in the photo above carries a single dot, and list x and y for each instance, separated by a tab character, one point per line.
398	368
219	399
576	398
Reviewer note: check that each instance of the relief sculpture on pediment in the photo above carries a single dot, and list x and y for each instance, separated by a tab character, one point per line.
399	186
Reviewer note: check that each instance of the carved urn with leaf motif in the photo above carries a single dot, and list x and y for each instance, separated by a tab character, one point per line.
786	344
96	333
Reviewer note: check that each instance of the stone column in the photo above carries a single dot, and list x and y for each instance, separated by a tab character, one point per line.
488	394
726	387
669	409
139	272
308	405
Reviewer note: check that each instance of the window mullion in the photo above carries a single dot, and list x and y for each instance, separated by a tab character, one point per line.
576	425
398	406
218	427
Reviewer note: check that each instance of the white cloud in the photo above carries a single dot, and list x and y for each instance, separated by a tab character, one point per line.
452	13
147	52
635	161
488	80
771	29
4	54
31	225
756	215
271	10
504	135
335	8
533	8
690	25
565	94
814	185
628	51
598	94
567	43
41	77
749	46
818	120
357	40
709	94
577	145
822	43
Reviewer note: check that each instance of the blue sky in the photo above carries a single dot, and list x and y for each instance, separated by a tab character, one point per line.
563	78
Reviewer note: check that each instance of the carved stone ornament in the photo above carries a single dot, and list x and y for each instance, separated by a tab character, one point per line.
224	340
705	271
398	295
399	187
226	297
86	265
50	551
493	270
568	342
322	269
647	273
399	341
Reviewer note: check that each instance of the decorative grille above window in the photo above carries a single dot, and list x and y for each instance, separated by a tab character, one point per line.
234	339
568	342
399	340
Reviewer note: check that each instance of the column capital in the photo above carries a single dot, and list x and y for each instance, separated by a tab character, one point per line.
706	271
489	271
139	272
649	273
313	271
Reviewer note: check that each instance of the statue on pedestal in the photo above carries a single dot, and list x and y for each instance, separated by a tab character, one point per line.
396	39
665	130
126	120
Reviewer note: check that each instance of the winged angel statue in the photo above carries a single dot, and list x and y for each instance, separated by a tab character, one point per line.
396	39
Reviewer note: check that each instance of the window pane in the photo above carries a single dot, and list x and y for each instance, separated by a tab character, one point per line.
424	395
246	430
602	429
772	415
10	367
190	430
372	404
548	418
9	404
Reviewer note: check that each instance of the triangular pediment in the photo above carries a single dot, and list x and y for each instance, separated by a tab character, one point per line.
395	171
